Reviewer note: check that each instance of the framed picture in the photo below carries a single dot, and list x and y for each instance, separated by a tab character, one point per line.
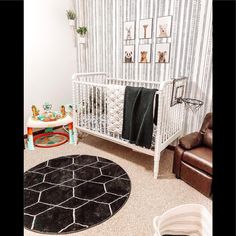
144	55
177	90
162	54
128	54
145	29
164	26
129	28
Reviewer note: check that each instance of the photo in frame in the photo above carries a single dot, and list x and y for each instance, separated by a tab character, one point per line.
129	28
164	26
144	53
145	29
162	53
128	54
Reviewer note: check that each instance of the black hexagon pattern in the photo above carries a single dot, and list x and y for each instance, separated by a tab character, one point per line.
73	193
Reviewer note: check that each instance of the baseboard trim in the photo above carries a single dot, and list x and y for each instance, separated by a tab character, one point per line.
41	131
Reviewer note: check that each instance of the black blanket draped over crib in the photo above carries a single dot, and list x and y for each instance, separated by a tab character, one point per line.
138	115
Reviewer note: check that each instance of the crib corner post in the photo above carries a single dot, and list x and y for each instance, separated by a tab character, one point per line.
156	163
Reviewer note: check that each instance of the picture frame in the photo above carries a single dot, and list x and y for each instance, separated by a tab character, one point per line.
162	53
164	26
145	28
128	54
129	30
144	53
177	90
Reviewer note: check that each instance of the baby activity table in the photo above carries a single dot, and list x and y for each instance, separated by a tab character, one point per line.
32	123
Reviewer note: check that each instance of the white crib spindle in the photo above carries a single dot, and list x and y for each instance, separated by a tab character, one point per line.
96	108
100	105
89	105
92	108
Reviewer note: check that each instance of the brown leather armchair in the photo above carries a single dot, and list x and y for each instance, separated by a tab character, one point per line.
193	158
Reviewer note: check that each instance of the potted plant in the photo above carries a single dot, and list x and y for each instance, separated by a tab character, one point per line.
71	17
82	32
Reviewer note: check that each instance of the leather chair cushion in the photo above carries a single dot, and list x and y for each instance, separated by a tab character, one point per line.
200	158
207	138
190	141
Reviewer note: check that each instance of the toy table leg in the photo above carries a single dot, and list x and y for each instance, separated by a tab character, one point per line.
71	136
30	141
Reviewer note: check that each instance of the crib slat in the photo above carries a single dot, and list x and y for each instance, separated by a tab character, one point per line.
92	96
79	102
85	107
100	107
105	100
89	105
96	108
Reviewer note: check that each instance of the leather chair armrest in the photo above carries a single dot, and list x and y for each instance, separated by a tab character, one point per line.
190	141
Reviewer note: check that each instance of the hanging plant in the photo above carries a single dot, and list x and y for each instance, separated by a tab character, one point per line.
82	31
71	17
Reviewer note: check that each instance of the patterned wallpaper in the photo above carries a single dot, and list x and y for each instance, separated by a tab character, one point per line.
191	44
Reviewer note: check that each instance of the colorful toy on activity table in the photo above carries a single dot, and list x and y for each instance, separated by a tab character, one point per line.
63	111
35	111
48	115
69	109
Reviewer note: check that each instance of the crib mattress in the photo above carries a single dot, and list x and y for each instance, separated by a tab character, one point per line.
99	124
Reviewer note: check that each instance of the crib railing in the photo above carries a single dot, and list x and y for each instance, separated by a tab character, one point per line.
89	94
90	100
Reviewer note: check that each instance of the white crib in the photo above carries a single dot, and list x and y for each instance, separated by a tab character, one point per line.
90	111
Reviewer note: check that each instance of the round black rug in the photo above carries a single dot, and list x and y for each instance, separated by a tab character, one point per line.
73	193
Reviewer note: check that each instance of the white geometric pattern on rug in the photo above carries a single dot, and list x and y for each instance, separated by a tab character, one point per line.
61	194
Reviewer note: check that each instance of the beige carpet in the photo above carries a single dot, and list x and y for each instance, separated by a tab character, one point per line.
149	197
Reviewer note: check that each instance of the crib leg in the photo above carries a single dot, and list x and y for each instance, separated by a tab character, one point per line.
156	164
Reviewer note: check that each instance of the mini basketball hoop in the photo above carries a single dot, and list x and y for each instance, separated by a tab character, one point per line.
190	103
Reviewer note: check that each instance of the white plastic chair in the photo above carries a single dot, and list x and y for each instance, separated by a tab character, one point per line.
187	219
